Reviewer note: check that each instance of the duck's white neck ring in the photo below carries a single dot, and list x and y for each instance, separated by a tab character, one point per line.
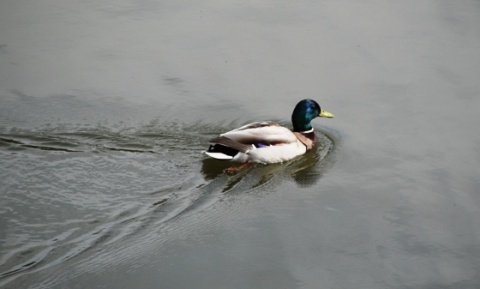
307	131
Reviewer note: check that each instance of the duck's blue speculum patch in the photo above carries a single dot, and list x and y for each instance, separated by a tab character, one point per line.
260	145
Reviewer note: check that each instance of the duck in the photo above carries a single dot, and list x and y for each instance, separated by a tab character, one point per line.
268	142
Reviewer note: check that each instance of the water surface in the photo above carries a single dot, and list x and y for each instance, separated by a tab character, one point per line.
107	107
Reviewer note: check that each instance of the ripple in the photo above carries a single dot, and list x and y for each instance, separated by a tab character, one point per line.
86	191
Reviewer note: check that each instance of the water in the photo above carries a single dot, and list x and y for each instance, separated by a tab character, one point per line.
106	108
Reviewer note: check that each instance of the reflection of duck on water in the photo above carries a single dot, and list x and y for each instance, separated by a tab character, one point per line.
304	171
268	142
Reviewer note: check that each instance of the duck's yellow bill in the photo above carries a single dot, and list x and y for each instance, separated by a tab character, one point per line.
324	113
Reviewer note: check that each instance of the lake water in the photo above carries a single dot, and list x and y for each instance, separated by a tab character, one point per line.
106	107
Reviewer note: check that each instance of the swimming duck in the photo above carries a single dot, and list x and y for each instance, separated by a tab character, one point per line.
268	142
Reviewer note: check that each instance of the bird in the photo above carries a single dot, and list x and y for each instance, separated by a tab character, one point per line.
268	142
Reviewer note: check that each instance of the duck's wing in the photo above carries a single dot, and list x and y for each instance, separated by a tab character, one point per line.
259	124
258	134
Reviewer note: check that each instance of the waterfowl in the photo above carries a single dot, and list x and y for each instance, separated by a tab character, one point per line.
268	142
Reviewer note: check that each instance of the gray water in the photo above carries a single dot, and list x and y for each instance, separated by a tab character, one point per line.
106	107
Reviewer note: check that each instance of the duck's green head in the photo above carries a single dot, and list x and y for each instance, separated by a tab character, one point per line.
304	112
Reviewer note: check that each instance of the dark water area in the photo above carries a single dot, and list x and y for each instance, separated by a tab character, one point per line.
105	109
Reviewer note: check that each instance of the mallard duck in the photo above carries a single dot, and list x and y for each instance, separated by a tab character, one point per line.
268	142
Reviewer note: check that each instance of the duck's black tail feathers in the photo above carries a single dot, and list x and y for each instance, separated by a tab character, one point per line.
225	149
231	144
